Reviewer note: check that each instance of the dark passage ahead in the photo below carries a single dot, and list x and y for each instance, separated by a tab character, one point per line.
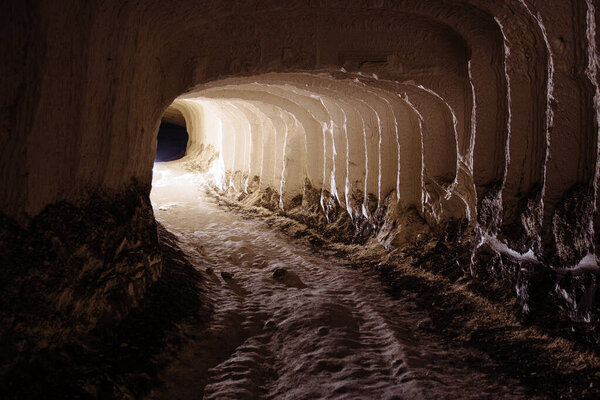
172	142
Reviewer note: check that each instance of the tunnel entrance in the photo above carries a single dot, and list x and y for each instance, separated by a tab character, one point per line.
172	139
171	142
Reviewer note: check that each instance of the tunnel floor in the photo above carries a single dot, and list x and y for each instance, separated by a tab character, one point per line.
291	321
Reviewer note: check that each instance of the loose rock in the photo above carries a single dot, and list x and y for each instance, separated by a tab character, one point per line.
226	275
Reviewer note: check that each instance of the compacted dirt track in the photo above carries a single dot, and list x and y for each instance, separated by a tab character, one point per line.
295	322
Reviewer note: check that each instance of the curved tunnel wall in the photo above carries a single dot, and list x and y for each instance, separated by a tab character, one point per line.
497	120
351	137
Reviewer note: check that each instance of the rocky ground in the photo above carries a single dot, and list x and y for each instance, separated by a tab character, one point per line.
119	360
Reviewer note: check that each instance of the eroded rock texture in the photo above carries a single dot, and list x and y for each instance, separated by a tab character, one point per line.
385	119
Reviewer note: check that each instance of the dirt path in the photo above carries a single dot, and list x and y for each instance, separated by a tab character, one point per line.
295	322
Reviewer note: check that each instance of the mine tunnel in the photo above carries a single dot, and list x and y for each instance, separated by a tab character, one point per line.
300	200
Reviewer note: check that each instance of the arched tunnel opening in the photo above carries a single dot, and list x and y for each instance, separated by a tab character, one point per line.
172	137
362	199
171	142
